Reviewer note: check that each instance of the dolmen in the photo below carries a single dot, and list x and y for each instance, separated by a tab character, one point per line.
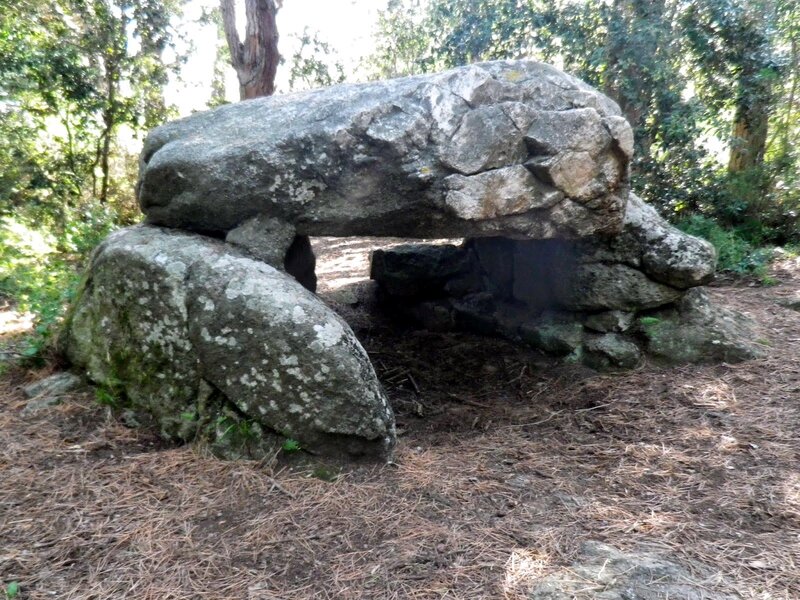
204	319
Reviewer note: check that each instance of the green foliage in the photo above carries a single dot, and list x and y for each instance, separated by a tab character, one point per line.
310	68
236	431
107	396
40	265
697	80
290	445
649	321
325	473
12	590
735	253
73	75
650	325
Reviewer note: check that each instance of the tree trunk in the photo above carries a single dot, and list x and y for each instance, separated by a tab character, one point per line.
256	59
637	36
112	65
749	143
749	137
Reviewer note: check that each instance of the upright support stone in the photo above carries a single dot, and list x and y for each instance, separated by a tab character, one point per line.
193	333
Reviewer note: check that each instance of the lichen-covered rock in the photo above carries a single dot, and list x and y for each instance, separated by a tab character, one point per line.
663	252
602	572
559	335
697	331
558	295
418	270
49	391
648	265
610	351
196	334
513	148
617	321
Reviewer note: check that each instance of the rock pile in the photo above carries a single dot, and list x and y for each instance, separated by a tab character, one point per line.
605	301
200	321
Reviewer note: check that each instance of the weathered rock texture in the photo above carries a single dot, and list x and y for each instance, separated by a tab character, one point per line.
602	300
212	339
209	342
603	572
512	148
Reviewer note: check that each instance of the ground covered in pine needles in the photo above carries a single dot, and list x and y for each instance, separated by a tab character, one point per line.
506	463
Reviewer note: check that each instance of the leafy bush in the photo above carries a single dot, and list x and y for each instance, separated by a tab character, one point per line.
41	262
735	253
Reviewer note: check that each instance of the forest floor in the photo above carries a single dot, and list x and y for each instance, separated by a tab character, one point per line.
506	463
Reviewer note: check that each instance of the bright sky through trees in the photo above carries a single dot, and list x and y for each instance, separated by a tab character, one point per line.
347	25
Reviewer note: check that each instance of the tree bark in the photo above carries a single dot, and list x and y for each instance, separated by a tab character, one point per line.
256	58
749	140
754	99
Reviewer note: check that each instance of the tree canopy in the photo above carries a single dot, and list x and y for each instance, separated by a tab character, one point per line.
710	86
698	79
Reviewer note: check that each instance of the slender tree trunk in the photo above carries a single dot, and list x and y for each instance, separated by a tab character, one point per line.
73	166
256	58
637	35
749	144
112	71
787	126
108	128
749	135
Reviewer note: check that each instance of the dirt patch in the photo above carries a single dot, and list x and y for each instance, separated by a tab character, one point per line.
506	464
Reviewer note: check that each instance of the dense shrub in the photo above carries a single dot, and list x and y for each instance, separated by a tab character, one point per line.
41	262
736	253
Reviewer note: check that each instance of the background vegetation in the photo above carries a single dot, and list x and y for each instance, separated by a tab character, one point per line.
710	86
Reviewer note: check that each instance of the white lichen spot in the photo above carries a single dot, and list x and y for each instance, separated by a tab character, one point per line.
246	381
297	373
221	340
299	315
295	409
208	303
241	287
329	334
289	361
176	268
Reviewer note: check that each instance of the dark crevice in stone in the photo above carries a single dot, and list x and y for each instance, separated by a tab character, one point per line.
301	263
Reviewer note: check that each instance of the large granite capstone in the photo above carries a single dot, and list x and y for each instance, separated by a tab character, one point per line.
511	148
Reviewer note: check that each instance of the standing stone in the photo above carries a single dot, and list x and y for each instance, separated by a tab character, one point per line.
193	333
